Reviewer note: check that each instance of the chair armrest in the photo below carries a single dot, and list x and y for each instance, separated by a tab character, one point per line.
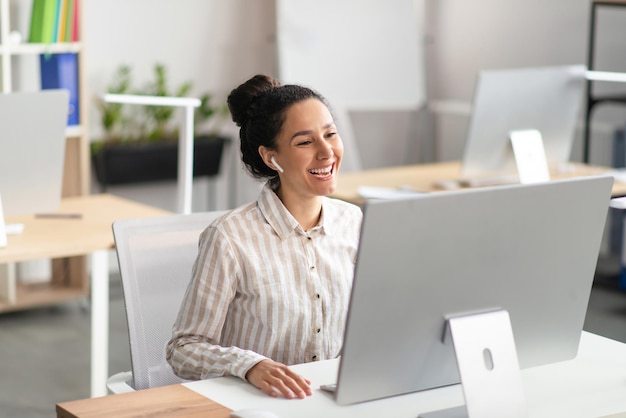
120	383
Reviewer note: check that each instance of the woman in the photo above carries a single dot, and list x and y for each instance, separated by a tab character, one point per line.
271	282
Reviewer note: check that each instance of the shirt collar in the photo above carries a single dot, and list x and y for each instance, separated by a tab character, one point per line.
281	220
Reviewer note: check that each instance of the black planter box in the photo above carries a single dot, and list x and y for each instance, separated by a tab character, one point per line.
139	163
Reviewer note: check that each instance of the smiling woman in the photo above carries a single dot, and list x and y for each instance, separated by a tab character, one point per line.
272	279
311	151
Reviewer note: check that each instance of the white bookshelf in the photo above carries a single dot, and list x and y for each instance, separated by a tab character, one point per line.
19	71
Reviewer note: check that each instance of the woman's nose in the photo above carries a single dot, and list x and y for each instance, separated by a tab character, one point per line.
325	150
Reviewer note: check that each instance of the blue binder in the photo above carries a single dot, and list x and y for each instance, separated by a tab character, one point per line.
60	71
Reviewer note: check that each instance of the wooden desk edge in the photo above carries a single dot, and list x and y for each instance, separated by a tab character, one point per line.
93	228
173	400
423	177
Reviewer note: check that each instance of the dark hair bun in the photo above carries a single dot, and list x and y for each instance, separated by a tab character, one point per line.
241	99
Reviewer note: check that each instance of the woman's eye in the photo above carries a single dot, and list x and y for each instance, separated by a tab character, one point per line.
304	142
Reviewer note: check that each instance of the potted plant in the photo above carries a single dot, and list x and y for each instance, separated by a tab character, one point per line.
140	143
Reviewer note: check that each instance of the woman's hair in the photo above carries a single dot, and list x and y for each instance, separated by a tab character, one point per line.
258	107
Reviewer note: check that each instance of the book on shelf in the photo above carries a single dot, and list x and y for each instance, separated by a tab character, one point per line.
47	22
53	21
60	71
61	17
75	25
69	21
36	21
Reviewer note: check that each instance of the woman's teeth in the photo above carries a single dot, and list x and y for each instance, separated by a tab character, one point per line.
321	171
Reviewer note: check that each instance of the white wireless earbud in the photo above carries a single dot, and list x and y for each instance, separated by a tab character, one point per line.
278	167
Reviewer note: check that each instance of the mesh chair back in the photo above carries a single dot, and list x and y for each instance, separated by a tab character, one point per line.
155	257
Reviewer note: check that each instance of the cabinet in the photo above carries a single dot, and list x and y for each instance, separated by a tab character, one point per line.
591	99
15	54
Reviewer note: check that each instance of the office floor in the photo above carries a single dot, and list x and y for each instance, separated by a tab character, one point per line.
44	353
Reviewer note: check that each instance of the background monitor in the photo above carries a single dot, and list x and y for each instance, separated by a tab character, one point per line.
32	150
528	249
547	99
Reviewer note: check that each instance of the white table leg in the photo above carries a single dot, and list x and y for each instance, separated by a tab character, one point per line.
99	322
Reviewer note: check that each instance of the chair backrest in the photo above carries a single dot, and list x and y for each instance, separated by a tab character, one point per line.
155	257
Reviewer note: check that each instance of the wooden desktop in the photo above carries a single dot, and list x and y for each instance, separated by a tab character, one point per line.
429	178
166	401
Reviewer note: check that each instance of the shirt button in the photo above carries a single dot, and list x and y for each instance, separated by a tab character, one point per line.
314	358
312	267
309	238
317	330
317	295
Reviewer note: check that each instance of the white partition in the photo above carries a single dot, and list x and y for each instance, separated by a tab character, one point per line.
366	53
362	55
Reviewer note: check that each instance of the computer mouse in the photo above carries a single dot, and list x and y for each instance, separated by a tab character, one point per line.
252	413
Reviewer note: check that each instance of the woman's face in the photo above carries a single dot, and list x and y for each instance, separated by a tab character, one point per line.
309	150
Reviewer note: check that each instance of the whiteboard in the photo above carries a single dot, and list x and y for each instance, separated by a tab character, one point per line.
366	54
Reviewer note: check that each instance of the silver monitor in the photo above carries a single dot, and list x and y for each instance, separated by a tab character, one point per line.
32	150
547	99
528	249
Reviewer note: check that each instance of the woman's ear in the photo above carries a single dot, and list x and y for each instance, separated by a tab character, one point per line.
269	159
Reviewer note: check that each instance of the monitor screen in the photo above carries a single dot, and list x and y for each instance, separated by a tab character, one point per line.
32	150
528	249
547	99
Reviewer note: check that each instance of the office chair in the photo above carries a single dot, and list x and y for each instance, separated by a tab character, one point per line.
155	257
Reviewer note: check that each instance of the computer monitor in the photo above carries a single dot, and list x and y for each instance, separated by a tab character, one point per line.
528	249
32	150
547	99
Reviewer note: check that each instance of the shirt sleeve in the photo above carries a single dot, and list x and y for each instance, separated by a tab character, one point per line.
194	352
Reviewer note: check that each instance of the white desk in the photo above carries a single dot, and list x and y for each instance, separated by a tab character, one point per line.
592	385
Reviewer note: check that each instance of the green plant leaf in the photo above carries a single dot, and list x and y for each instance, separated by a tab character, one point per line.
131	123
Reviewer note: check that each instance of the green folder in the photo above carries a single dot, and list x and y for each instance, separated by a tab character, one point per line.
48	21
36	21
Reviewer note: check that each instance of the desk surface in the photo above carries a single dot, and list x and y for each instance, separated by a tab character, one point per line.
592	385
424	178
66	237
167	401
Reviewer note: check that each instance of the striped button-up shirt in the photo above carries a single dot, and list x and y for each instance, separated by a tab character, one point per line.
262	287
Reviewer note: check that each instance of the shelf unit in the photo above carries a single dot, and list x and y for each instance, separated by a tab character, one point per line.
591	100
69	275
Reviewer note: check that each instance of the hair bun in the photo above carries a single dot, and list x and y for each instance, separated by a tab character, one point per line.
241	99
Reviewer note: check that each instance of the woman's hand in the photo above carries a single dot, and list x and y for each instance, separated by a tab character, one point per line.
275	378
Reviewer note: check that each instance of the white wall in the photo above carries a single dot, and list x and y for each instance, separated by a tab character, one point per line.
467	36
220	43
215	43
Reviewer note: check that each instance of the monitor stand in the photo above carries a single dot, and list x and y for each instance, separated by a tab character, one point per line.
530	156
526	148
488	367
